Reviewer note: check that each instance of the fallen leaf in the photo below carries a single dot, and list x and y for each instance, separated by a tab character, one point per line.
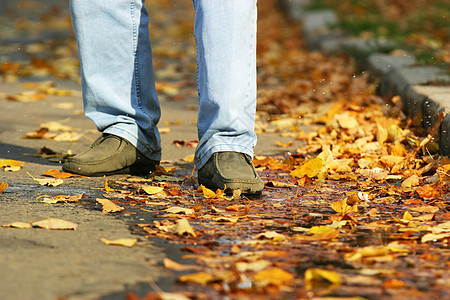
201	278
54	223
120	242
108	206
309	168
47	181
431	237
315	275
21	225
59	174
172	265
3	186
182	226
393	284
151	190
271	235
178	210
171	296
273	276
189	158
343	208
10	165
219	194
254	266
411	181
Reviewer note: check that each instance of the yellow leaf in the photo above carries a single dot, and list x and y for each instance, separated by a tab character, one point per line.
189	158
107	188
434	237
315	275
120	242
11	165
254	266
309	168
151	190
323	229
273	276
219	194
342	207
407	216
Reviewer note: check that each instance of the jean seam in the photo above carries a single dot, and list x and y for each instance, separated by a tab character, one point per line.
135	50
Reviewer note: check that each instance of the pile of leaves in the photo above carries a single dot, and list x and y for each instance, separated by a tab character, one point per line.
421	27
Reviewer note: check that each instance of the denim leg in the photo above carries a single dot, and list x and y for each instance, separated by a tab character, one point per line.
225	33
119	92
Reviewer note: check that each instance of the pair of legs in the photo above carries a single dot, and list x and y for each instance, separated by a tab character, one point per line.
117	74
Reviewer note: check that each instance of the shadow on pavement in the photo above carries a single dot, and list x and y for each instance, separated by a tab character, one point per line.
8	151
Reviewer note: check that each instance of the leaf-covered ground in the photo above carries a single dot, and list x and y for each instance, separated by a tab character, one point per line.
359	210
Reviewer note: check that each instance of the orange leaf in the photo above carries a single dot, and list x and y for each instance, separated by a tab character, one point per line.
172	265
201	277
393	284
342	207
3	186
60	175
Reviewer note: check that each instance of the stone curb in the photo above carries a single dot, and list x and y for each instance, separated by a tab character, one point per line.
424	90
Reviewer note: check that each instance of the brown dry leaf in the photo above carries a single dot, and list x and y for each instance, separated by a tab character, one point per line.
120	242
59	174
182	226
309	168
172	265
108	206
273	276
201	277
3	186
21	225
54	223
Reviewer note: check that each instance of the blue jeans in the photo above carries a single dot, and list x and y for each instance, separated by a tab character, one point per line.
118	85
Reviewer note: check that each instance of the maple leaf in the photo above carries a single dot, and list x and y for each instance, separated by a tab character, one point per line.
343	208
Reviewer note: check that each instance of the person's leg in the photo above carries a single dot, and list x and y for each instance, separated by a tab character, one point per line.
225	33
117	75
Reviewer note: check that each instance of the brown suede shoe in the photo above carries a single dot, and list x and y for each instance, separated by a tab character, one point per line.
231	171
109	155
